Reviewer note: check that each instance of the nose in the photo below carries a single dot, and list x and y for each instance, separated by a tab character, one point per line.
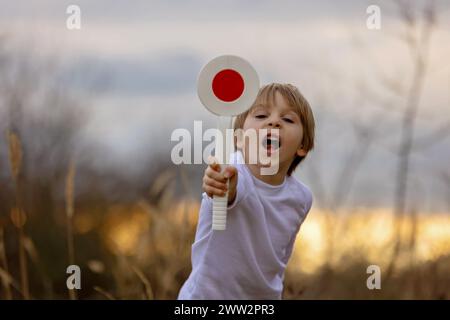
274	121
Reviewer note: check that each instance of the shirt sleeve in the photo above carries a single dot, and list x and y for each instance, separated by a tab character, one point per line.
307	208
308	203
290	246
239	188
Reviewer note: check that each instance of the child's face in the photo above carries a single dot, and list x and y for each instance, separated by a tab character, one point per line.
282	117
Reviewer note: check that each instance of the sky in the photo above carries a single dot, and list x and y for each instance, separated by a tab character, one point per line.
134	65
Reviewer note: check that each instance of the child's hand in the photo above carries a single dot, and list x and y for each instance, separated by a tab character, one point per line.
215	183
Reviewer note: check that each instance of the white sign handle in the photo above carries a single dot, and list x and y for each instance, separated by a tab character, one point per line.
227	86
222	153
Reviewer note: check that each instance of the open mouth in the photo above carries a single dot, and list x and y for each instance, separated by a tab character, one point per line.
271	143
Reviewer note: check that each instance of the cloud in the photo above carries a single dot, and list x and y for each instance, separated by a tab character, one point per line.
158	74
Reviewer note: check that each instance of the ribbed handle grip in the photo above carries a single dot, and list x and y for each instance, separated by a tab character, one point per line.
220	212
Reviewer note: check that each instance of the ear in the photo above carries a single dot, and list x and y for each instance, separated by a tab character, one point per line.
301	152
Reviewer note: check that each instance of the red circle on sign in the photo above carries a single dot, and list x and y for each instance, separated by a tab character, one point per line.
228	85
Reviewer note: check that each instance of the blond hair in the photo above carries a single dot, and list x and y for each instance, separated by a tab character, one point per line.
295	100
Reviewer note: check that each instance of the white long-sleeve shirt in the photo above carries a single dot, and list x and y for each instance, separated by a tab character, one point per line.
249	258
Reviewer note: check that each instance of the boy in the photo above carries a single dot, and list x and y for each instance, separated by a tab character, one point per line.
249	258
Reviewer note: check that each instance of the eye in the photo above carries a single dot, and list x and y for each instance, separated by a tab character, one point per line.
260	116
288	120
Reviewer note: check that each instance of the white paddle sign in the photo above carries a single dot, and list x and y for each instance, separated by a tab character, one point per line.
227	86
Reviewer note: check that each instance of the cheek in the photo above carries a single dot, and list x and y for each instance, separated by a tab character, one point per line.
300	136
239	136
248	124
296	137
